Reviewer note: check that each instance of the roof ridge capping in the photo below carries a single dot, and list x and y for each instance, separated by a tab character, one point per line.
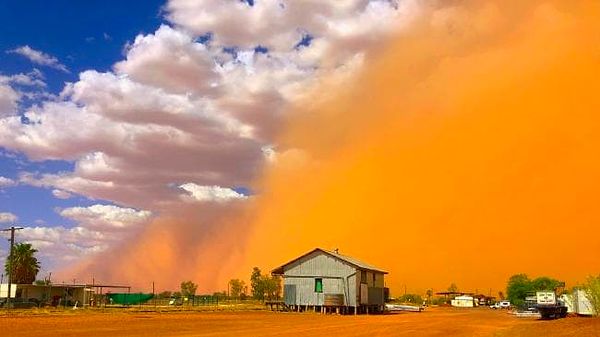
350	260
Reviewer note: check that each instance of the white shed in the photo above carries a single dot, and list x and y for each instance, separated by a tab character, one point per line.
578	302
463	301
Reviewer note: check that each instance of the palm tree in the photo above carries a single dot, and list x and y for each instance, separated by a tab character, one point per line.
429	295
25	266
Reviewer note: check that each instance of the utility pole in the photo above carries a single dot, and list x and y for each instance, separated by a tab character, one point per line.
12	230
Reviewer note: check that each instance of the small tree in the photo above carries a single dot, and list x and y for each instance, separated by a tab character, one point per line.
188	289
256	285
592	290
220	295
263	286
165	294
237	288
271	287
517	289
501	295
429	294
453	288
411	298
44	282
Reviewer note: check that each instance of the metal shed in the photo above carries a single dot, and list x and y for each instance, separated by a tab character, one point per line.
327	281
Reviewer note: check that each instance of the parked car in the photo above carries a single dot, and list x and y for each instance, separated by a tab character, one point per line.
501	305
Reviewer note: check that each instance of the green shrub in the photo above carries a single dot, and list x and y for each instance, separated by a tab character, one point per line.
592	289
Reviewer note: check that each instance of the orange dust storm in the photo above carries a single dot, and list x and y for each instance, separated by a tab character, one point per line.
466	151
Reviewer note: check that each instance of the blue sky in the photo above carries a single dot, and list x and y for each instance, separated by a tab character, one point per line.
83	35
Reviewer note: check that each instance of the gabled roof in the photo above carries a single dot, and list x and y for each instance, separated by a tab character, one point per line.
350	260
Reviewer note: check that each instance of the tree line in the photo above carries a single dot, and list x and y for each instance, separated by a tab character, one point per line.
262	287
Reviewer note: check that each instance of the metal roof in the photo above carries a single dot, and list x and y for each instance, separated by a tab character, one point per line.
350	260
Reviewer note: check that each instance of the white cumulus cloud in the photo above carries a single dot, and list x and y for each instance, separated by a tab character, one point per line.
60	194
106	217
6	182
9	99
60	244
11	95
210	193
98	227
39	57
6	217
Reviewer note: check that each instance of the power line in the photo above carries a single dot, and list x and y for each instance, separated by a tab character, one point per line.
12	230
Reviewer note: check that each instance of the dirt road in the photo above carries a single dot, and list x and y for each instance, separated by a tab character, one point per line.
444	322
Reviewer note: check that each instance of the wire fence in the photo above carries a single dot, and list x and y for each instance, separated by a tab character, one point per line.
198	303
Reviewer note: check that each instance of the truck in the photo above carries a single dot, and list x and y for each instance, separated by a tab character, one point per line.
548	306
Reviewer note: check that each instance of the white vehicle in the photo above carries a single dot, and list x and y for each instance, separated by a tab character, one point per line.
501	305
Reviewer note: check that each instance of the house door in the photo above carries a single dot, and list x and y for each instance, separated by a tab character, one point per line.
289	294
364	293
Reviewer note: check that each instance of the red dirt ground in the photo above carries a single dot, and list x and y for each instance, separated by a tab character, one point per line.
433	322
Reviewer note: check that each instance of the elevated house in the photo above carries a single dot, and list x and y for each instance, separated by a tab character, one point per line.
327	281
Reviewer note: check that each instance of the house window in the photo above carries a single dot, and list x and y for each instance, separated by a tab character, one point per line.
373	278
318	285
363	276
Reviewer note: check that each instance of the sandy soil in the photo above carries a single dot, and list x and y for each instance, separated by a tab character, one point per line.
434	322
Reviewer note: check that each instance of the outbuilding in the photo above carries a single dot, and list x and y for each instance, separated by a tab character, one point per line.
328	281
463	301
60	294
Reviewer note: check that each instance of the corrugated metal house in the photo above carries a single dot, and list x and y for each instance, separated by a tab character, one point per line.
328	281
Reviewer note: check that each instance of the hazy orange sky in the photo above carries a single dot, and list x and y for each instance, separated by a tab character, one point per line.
466	152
